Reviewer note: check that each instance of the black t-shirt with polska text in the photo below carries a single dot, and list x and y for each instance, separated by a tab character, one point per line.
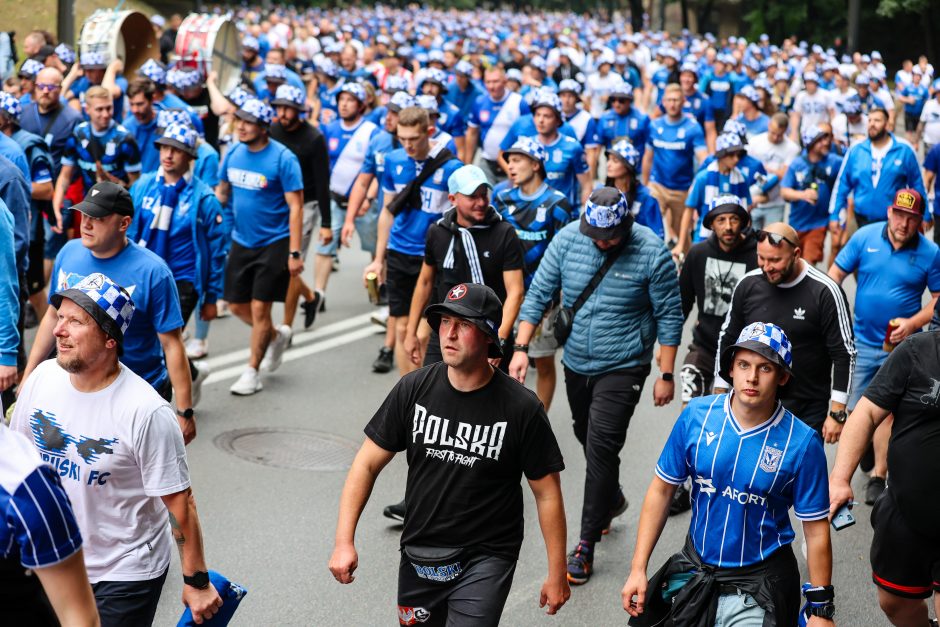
908	384
467	453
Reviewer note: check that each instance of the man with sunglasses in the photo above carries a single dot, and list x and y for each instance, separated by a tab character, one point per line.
622	120
813	311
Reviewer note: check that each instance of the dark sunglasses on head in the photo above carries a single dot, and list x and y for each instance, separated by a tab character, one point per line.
775	239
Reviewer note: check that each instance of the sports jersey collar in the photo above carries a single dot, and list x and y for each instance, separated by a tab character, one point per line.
797	280
538	193
775	417
912	244
92	130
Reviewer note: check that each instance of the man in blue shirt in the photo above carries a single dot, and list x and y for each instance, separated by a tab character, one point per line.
433	82
676	142
537	212
872	172
490	119
107	213
894	263
142	123
807	186
93	70
914	97
463	91
580	120
623	121
755	120
262	179
718	88
407	213
750	460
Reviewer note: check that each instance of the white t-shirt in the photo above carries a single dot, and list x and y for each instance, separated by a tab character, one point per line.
117	451
930	116
813	108
848	133
773	156
877	160
597	88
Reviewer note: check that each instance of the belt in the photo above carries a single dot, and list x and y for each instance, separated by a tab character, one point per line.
727	588
339	199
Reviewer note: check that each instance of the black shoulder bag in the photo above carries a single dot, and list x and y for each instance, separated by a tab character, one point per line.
410	195
564	317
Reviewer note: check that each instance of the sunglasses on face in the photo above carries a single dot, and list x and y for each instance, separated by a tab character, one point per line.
47	87
620	100
775	239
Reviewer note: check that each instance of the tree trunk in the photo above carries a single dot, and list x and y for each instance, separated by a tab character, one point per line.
928	23
636	15
684	9
704	15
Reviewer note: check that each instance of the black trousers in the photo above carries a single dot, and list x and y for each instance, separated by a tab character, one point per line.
601	408
811	411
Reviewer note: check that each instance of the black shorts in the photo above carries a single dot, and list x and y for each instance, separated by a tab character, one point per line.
903	562
35	274
189	298
128	603
475	598
257	273
401	276
698	372
910	122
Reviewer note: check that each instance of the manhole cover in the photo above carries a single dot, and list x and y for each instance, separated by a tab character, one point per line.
298	449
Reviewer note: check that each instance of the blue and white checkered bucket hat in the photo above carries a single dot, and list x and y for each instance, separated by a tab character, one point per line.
275	73
30	68
65	53
153	70
10	106
764	338
355	90
237	96
627	153
606	214
727	143
166	117
180	136
93	61
290	96
401	100
256	112
105	301
530	148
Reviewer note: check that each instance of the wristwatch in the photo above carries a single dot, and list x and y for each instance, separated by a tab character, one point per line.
827	611
666	376
839	416
199	579
295	254
520	348
185	413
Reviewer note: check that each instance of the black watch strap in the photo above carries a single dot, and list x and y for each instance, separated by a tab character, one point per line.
520	348
295	254
185	413
667	376
839	416
199	579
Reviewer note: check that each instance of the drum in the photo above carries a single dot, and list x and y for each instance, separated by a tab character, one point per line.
125	35
211	42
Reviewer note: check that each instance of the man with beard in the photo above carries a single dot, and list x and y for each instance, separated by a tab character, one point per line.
252	63
470	244
142	122
347	140
127	471
707	280
813	311
491	118
309	146
894	263
623	121
871	172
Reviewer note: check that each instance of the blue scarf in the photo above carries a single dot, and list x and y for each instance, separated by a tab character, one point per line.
157	237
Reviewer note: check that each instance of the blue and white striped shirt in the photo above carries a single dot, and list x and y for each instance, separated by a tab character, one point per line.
744	481
37	517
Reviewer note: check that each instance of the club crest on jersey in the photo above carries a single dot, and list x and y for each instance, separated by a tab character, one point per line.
540	214
557	155
334	143
438	177
770	459
633	125
484	116
681	133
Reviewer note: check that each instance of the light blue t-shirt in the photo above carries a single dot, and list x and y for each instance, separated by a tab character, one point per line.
565	162
259	181
674	145
144	134
150	284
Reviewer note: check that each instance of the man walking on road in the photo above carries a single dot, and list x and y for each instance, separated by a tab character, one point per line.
121	457
266	186
814	313
463	527
751	461
610	347
894	263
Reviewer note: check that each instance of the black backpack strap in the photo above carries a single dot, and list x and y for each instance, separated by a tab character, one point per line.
612	257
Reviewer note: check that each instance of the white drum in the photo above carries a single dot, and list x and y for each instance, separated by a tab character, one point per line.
125	35
211	43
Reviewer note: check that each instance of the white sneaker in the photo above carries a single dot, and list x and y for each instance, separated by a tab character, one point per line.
380	317
197	349
275	353
203	370
247	384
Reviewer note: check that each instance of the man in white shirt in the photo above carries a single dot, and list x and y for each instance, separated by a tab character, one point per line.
929	126
810	107
851	126
119	451
600	84
775	151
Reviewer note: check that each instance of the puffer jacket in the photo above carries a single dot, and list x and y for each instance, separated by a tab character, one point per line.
636	304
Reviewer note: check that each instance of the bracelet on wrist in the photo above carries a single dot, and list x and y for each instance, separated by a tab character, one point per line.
520	348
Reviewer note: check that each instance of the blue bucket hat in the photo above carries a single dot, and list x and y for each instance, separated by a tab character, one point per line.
10	107
727	143
180	136
109	304
569	85
626	152
30	68
530	148
153	70
255	111
275	73
93	61
400	100
606	215
65	53
764	338
290	96
355	90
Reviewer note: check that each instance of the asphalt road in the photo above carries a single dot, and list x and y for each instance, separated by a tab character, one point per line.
271	528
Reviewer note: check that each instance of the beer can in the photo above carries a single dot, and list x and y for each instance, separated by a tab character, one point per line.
372	286
888	345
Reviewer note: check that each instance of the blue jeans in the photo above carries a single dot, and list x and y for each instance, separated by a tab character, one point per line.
762	216
367	226
867	362
738	610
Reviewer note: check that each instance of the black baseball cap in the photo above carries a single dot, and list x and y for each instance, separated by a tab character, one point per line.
474	302
106	198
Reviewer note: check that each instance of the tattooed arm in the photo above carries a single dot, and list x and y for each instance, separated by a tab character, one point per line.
188	536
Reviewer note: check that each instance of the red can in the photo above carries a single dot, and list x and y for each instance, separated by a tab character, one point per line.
888	345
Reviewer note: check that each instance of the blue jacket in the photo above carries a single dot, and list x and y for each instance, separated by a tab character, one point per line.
635	304
900	169
207	226
9	291
16	193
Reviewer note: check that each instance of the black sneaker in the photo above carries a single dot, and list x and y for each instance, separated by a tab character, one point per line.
384	362
311	307
681	501
335	265
876	485
580	563
620	506
396	511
